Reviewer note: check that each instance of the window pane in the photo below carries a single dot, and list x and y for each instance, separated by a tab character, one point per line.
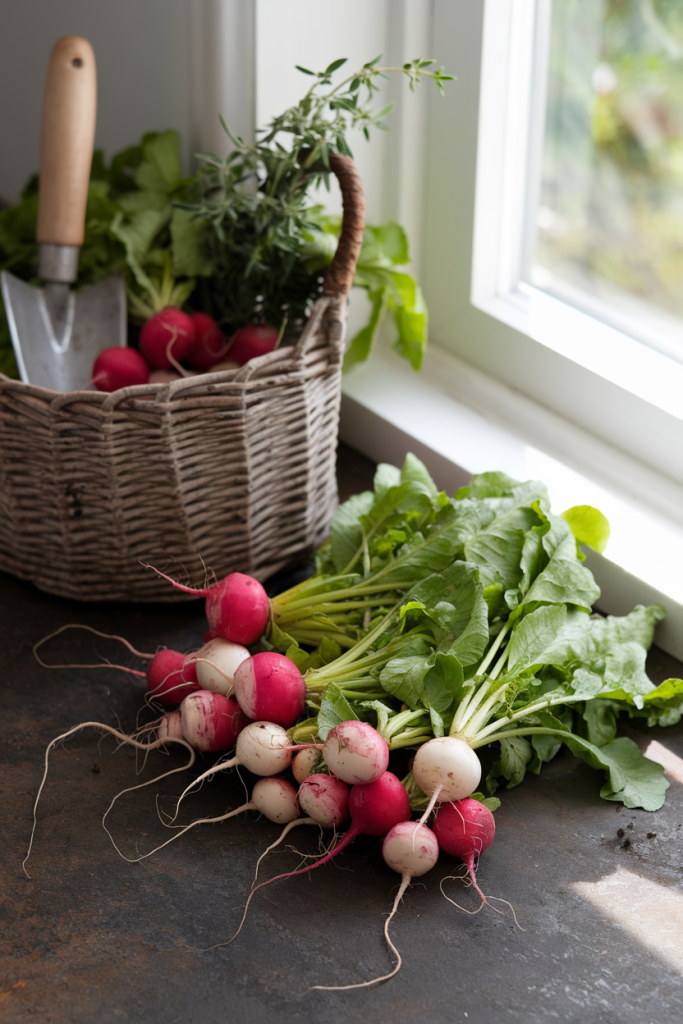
609	224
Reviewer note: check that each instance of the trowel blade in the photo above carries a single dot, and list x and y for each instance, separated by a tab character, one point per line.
57	333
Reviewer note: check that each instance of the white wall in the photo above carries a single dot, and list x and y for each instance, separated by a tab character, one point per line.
179	63
143	65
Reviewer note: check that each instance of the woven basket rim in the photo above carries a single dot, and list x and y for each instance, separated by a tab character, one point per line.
271	365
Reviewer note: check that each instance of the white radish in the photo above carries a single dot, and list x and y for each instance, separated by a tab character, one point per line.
276	799
262	747
411	849
216	664
446	769
355	752
304	763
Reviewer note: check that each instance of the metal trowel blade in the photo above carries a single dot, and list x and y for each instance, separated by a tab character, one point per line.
57	333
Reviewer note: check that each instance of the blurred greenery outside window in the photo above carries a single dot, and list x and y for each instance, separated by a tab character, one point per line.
609	224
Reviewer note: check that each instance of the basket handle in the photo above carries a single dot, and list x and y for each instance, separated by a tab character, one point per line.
340	273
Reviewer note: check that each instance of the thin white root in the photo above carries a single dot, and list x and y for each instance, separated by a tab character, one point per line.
430	805
197	821
286	830
106	636
141	785
405	882
485	901
211	771
499	899
90	725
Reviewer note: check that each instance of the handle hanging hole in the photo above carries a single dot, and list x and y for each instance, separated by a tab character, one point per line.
77	62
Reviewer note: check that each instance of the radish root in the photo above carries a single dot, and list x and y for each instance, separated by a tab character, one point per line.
405	882
106	636
104	728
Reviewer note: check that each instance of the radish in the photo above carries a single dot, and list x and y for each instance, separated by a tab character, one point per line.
166	338
170	726
170	677
252	341
262	747
355	752
446	769
374	807
119	368
211	722
304	763
216	663
324	799
326	802
412	850
209	344
465	829
269	687
237	607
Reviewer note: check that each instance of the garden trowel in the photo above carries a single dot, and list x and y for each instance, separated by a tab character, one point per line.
57	332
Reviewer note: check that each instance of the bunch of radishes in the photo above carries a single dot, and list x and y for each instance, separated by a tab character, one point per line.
229	698
172	338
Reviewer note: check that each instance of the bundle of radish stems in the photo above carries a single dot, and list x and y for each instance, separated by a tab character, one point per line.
356	641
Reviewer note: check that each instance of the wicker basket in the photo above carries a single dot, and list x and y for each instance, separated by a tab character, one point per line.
227	471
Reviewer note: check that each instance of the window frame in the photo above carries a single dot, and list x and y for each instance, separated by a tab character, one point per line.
483	138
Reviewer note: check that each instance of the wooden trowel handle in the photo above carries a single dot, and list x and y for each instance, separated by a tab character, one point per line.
66	142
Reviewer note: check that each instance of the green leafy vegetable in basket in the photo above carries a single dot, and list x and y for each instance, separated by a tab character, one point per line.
241	241
470	618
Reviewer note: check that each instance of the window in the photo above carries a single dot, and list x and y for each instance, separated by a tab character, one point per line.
536	367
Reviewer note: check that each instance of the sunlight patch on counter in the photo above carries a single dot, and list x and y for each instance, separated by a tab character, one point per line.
650	913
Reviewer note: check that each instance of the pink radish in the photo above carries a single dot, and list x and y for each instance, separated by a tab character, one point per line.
170	726
465	829
237	607
252	341
166	338
209	345
304	763
374	807
211	722
119	368
171	677
269	687
355	752
216	663
326	802
324	799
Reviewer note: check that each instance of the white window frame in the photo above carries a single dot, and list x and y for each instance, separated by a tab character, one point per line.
618	389
510	366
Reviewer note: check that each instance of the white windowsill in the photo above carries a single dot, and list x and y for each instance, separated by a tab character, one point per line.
459	422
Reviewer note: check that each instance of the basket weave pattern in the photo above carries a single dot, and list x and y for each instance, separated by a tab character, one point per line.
228	471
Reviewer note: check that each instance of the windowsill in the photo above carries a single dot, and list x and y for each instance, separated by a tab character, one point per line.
459	422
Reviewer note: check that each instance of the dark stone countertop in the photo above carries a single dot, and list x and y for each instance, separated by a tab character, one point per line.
91	938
